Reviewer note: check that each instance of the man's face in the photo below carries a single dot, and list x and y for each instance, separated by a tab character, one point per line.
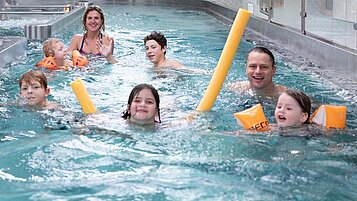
260	70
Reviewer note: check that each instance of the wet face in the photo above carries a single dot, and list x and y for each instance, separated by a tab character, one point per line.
34	93
93	21
143	109
260	70
288	112
154	52
59	51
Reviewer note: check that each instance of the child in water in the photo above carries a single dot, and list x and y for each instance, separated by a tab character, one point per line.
142	110
54	47
143	105
293	109
34	90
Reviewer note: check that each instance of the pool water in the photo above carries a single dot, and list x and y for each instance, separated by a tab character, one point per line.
44	158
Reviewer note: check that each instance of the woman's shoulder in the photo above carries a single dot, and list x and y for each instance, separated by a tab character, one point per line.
77	37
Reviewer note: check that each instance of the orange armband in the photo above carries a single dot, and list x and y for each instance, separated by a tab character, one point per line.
78	59
330	116
252	118
48	62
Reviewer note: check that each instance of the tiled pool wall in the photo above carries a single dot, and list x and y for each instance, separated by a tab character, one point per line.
320	52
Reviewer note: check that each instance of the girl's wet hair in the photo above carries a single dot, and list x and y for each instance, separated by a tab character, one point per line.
158	37
135	91
303	100
34	75
93	8
263	50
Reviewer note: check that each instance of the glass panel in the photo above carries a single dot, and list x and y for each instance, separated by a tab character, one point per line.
287	13
332	20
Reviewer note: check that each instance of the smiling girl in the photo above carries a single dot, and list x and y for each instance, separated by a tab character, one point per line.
143	105
293	109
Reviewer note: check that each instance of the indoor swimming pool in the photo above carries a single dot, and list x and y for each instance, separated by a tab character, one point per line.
44	158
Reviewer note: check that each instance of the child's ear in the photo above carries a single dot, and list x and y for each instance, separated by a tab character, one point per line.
47	91
303	117
51	53
164	49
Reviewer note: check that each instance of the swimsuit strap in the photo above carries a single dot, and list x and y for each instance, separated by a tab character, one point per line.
84	37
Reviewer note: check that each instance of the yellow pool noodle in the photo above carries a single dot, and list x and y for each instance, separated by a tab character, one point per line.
225	61
83	97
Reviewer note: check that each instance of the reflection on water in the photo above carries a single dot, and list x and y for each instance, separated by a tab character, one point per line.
45	156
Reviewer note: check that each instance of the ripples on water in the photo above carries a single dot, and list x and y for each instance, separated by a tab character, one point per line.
44	157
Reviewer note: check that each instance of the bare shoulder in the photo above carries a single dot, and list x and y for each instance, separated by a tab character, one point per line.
280	88
76	40
51	105
174	63
77	37
240	85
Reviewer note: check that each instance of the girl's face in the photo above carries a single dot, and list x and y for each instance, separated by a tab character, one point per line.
143	109
34	93
288	112
60	51
93	21
154	52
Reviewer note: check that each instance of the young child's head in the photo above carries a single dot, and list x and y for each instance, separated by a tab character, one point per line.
143	105
293	109
54	47
33	88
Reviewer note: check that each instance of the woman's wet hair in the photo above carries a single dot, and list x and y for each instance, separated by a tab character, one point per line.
93	8
263	50
33	75
135	91
302	99
158	37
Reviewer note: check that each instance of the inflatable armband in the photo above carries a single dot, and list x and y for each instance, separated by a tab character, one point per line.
78	59
83	97
49	63
252	118
330	116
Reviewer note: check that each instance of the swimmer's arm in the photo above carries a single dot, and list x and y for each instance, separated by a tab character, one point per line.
177	65
111	59
87	130
240	85
195	71
242	132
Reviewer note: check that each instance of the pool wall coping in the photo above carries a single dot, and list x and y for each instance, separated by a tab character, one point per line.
322	53
11	48
341	60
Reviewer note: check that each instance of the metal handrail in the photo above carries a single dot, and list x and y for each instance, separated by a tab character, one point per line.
34	12
38	6
37	9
